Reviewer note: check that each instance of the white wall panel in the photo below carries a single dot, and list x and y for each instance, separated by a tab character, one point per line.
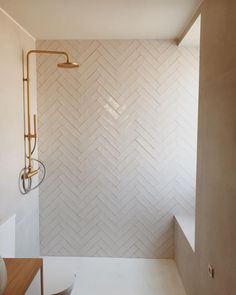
14	39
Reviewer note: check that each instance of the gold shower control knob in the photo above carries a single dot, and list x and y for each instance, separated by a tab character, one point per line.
30	174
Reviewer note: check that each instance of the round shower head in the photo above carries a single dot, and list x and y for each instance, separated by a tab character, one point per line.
68	65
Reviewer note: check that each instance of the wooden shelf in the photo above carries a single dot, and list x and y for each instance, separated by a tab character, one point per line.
20	274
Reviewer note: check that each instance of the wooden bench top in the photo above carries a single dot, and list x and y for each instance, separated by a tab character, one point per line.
20	274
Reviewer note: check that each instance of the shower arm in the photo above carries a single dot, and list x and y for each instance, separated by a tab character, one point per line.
29	135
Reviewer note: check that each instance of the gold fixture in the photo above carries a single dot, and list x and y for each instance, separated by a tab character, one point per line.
27	173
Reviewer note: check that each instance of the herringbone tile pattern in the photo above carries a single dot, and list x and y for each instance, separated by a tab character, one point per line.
118	137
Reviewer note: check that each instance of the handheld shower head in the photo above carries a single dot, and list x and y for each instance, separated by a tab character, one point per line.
68	65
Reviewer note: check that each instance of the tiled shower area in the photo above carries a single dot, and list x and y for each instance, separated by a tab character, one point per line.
118	137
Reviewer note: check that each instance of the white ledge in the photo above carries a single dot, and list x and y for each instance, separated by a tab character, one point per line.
187	224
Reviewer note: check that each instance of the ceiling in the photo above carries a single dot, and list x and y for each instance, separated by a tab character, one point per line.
102	19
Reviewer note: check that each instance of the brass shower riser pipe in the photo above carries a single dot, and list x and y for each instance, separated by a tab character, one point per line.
27	80
28	135
28	172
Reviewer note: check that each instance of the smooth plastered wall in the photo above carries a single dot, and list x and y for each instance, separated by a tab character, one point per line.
13	40
216	164
118	137
216	180
186	261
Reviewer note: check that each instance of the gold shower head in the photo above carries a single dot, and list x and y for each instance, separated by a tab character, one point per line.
68	65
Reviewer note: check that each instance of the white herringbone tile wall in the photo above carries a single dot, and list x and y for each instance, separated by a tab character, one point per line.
118	137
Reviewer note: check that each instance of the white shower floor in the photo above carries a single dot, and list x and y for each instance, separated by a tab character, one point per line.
112	276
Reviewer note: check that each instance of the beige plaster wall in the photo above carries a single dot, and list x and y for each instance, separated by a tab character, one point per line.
216	163
12	40
216	176
185	259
